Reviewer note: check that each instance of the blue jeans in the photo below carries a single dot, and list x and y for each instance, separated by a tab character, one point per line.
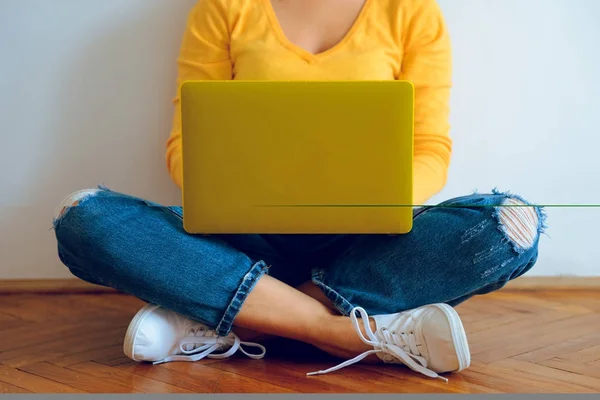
139	247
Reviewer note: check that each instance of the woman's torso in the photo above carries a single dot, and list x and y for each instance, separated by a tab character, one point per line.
315	39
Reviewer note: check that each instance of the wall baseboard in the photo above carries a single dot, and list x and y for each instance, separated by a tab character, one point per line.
75	286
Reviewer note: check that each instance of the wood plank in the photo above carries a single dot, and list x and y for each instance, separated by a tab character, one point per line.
507	334
6	388
33	383
9	321
539	337
485	324
551	373
584	356
457	382
219	381
59	330
581	369
196	381
589	299
96	354
231	383
468	381
354	379
526	302
80	340
77	380
126	378
509	380
30	308
113	357
23	336
560	349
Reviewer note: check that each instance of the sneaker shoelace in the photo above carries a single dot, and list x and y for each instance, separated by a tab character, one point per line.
202	342
401	345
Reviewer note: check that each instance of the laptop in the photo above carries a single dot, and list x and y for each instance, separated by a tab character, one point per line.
264	157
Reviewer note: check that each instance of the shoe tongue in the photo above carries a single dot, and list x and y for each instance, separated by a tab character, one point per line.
393	322
384	321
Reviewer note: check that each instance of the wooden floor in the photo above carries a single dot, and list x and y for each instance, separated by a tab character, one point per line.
542	342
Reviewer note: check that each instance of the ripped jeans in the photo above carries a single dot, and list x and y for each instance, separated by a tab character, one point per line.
468	247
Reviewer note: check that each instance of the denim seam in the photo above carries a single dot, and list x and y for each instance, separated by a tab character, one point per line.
339	302
234	307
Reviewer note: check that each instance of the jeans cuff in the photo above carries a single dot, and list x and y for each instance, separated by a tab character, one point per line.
248	283
340	303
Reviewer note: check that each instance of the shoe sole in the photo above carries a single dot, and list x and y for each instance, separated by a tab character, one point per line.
134	326
459	336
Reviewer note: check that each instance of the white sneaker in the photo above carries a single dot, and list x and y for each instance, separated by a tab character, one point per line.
429	339
159	335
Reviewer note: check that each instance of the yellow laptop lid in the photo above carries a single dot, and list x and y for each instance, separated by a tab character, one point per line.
297	157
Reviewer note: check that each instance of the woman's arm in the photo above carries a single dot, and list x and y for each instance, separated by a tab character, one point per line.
427	63
204	55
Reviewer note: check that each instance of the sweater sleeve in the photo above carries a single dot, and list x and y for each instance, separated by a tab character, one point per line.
204	55
427	63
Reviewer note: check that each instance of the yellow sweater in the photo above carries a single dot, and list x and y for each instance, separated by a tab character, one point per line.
391	39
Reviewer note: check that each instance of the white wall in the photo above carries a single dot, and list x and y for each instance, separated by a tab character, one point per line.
85	90
526	115
85	98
